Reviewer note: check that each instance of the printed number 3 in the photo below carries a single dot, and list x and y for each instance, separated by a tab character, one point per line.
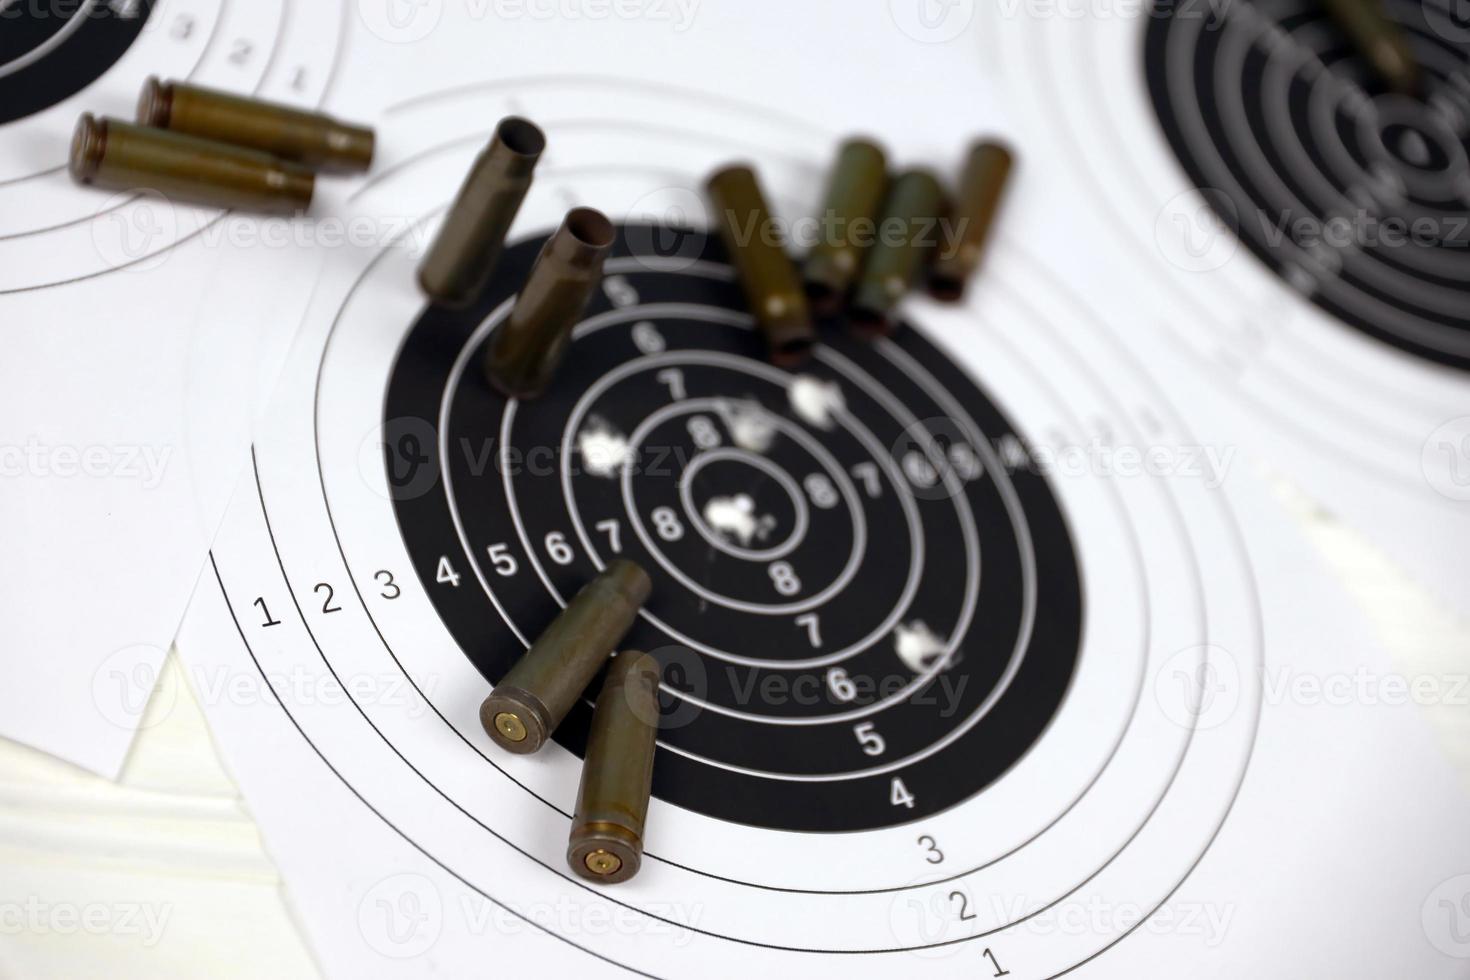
390	587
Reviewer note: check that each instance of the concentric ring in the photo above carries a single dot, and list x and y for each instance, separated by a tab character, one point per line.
1357	197
720	541
860	659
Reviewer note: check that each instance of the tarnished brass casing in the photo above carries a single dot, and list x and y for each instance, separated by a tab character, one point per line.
535	695
526	350
606	842
982	185
908	233
848	221
313	139
459	263
1382	42
767	275
119	155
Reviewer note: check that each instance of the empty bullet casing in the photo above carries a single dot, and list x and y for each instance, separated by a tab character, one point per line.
119	155
907	234
528	347
606	842
532	699
313	139
464	253
1383	43
759	256
981	186
848	221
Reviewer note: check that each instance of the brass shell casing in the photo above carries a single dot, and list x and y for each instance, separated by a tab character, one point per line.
460	261
119	155
767	276
849	221
526	350
536	694
982	185
1382	42
907	234
313	139
606	841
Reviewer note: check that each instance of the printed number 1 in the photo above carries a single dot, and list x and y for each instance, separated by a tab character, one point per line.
269	620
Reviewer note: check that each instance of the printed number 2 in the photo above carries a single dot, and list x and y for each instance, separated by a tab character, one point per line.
327	606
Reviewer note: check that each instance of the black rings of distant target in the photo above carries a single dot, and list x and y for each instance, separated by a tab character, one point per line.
1301	149
52	49
976	570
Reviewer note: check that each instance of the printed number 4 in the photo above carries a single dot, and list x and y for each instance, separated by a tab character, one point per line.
446	573
899	795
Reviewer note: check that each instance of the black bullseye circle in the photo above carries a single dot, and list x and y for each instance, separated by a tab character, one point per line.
743	505
52	49
1356	196
865	616
1413	146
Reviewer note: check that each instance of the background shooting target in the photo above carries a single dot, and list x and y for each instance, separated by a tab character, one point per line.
1358	197
94	59
165	342
1249	182
48	58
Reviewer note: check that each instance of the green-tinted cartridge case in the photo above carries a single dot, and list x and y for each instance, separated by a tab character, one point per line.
313	139
119	155
847	224
460	261
982	185
527	349
907	234
606	842
535	695
1382	42
767	275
